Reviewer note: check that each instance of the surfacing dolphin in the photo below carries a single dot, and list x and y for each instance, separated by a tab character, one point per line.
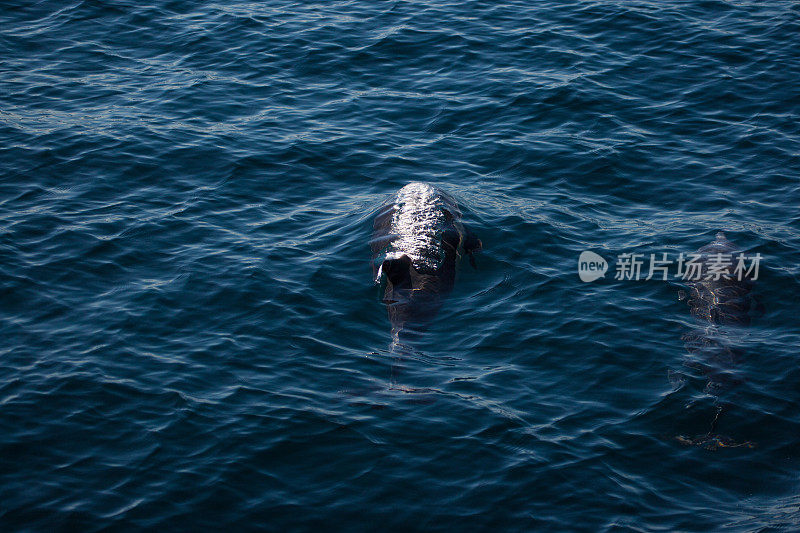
417	241
720	301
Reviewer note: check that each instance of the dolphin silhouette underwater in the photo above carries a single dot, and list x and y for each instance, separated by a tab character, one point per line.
720	301
417	241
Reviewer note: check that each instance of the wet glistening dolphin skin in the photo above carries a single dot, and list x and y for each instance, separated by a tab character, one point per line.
718	305
417	241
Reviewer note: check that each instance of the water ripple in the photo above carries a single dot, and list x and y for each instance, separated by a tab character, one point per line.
191	334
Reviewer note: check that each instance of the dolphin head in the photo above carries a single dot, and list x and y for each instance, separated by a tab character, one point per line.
412	299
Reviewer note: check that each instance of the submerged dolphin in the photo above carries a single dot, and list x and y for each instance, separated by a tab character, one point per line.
418	238
720	300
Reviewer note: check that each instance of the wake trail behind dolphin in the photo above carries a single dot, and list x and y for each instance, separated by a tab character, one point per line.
378	397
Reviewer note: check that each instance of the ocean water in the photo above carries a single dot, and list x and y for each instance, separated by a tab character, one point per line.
191	336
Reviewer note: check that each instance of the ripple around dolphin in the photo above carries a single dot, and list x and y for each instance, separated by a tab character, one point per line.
191	335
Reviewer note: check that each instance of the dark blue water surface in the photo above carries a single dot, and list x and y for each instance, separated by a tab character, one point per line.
190	333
